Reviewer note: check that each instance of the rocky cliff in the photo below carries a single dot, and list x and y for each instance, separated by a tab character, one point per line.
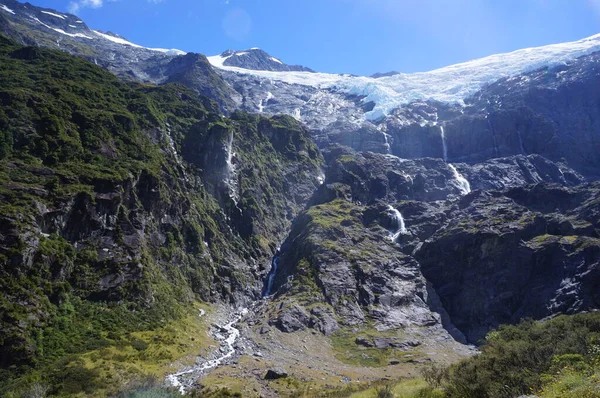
421	243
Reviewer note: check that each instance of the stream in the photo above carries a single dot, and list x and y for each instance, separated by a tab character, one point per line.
186	378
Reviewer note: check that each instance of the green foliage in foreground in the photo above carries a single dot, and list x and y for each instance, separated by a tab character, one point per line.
555	358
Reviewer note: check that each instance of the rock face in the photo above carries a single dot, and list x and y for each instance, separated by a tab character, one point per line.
257	59
525	252
550	112
522	242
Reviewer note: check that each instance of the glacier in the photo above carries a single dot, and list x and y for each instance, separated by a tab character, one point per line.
451	84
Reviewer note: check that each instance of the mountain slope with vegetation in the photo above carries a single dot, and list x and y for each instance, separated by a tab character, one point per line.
122	205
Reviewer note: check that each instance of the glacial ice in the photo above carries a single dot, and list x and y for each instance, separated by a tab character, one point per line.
451	84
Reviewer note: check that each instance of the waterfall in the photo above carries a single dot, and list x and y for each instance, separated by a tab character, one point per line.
175	154
297	114
321	178
521	142
493	136
230	180
444	146
461	182
272	274
399	222
386	138
262	103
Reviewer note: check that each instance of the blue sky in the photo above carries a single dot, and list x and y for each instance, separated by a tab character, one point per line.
344	36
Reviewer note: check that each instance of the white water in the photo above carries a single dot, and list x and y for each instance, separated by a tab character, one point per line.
399	222
461	182
272	274
444	146
321	178
185	378
261	105
386	137
230	177
175	154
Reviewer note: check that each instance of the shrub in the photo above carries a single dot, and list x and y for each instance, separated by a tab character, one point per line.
385	392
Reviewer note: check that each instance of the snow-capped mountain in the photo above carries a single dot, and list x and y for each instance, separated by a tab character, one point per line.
254	59
37	26
451	84
394	113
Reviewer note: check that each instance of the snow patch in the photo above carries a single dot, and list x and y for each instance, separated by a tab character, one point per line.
54	15
218	60
62	32
119	40
275	60
5	8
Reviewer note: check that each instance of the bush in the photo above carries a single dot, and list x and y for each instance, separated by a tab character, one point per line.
385	392
517	360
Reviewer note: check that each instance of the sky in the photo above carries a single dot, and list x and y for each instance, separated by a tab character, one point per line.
344	36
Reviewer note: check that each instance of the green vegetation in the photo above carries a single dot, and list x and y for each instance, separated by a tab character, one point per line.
349	351
107	236
555	358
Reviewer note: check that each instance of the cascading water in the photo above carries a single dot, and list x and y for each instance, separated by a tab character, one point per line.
230	174
272	274
493	136
461	182
399	222
185	379
444	146
386	138
321	178
521	142
262	103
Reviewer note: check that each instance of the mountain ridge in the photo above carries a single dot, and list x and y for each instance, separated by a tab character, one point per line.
218	226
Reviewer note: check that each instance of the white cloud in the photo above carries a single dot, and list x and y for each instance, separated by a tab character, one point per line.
76	5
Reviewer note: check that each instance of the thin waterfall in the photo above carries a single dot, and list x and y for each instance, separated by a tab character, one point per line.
444	146
230	179
388	147
263	103
399	222
461	182
493	136
521	142
272	274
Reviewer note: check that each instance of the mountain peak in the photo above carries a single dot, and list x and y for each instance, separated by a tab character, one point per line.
254	59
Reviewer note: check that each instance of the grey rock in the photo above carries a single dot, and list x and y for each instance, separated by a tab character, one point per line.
275	373
292	319
364	341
